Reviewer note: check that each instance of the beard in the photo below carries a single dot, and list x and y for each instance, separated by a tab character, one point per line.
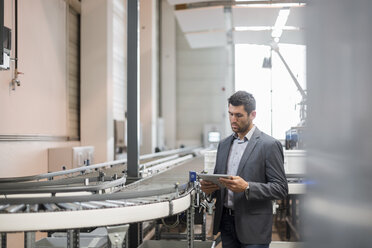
240	129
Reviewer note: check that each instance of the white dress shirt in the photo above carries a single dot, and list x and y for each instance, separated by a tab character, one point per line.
236	152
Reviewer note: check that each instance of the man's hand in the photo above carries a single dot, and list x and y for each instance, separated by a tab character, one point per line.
234	183
208	187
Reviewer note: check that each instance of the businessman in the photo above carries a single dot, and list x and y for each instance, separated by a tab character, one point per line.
255	162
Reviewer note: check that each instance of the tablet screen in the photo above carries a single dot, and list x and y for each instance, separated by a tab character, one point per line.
213	178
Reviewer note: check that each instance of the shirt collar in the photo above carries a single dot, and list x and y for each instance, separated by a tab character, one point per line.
248	136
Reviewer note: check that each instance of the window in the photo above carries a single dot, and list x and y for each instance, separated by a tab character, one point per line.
273	89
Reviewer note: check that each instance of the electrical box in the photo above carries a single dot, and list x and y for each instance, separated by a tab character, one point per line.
6	46
66	158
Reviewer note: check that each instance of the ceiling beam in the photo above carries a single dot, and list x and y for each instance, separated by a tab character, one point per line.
227	3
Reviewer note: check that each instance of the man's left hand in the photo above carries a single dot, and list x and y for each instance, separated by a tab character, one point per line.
234	183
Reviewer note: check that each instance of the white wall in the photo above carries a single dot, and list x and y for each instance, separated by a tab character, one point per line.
201	75
39	105
97	78
148	75
119	59
168	74
26	158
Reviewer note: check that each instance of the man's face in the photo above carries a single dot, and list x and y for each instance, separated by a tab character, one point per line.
239	119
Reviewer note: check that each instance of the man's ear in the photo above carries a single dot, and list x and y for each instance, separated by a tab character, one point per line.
252	115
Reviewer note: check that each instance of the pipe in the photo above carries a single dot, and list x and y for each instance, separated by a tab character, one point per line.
16	37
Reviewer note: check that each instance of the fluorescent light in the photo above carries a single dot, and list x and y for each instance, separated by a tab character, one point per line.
281	20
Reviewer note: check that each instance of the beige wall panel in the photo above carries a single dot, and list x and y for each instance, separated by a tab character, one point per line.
38	106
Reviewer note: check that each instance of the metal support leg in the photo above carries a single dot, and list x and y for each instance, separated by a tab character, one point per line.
294	211
190	224
288	230
204	226
3	240
135	235
116	236
29	239
157	231
73	238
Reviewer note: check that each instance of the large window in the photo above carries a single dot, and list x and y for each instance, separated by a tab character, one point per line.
276	95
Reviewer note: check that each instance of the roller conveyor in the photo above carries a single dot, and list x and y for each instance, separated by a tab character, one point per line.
156	196
163	193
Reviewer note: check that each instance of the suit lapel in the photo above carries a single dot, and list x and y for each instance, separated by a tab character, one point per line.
248	150
225	150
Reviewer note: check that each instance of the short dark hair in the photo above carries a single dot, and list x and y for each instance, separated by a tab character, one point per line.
243	98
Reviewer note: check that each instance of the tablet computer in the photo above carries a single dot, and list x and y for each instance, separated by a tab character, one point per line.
214	178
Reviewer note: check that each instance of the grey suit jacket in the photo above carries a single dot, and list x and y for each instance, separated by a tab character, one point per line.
262	167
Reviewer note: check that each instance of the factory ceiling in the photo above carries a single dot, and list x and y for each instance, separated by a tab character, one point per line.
219	23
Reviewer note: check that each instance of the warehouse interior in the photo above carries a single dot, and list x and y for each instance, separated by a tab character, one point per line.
111	109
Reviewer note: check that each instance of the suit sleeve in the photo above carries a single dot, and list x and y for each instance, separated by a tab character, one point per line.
276	186
214	194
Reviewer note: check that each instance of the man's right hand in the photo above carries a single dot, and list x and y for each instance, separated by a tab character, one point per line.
208	187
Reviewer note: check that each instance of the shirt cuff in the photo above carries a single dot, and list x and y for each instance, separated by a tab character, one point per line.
246	192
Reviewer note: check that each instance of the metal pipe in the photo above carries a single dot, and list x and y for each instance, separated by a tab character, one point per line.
294	3
85	198
90	167
133	88
16	37
302	92
1	30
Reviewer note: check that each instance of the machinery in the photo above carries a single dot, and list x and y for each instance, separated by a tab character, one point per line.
294	136
94	206
84	198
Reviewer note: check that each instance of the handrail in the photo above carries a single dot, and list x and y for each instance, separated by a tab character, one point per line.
89	167
96	197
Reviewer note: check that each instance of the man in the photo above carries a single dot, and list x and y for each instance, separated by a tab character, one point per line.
255	162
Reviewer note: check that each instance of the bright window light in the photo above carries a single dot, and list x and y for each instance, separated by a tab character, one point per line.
284	97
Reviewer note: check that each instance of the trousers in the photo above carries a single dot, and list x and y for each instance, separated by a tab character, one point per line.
228	234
